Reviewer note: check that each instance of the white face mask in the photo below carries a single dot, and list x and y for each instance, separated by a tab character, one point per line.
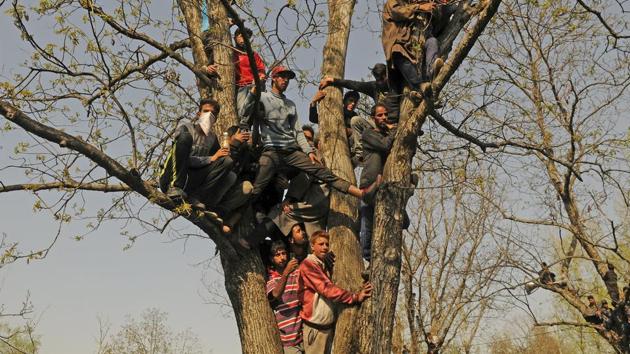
206	120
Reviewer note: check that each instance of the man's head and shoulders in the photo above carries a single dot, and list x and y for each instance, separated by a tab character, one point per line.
298	242
280	79
279	257
380	116
204	119
320	247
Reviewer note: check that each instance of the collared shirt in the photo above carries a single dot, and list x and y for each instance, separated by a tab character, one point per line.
287	308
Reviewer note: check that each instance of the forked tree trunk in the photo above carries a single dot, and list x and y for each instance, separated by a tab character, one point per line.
243	270
376	320
342	220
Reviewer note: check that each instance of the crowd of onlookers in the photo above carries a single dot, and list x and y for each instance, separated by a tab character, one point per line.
270	165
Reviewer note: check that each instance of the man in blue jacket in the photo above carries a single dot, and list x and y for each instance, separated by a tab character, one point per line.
284	144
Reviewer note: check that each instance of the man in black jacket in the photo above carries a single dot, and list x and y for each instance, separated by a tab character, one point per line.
377	143
197	168
354	123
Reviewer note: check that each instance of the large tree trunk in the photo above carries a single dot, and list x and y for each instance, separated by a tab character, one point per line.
244	273
245	285
376	322
219	40
342	221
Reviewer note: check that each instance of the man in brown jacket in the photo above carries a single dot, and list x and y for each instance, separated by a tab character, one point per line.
404	21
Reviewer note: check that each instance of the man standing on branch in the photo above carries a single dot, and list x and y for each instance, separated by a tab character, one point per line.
318	293
377	143
243	74
284	144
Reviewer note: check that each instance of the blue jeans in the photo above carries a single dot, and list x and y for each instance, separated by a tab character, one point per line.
367	222
413	73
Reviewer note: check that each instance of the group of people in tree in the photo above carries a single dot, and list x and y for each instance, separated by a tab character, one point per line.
615	319
281	175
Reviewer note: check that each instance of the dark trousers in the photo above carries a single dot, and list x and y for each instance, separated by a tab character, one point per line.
272	161
406	70
367	222
414	74
209	183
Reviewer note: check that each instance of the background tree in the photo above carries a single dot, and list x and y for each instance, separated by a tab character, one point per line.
149	334
553	93
453	256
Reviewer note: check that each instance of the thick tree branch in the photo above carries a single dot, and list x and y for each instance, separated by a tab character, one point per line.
93	186
133	181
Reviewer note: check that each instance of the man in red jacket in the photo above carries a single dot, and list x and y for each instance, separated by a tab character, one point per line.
243	74
318	293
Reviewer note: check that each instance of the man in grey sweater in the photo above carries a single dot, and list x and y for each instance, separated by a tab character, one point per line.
284	144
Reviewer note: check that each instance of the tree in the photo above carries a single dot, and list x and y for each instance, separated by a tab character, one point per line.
453	255
18	340
392	197
94	103
149	334
555	93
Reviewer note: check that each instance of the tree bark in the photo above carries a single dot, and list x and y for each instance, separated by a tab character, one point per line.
245	285
220	42
342	220
192	14
376	323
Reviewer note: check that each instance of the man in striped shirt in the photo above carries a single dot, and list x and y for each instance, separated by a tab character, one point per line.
282	291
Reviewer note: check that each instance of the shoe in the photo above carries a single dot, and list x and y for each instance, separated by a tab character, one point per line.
366	273
425	89
175	193
415	97
240	241
437	66
260	217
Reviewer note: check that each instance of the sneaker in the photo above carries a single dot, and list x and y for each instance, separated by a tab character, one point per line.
175	193
240	241
415	97
425	89
415	178
366	273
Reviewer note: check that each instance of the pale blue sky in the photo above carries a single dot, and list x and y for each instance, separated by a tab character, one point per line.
81	281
